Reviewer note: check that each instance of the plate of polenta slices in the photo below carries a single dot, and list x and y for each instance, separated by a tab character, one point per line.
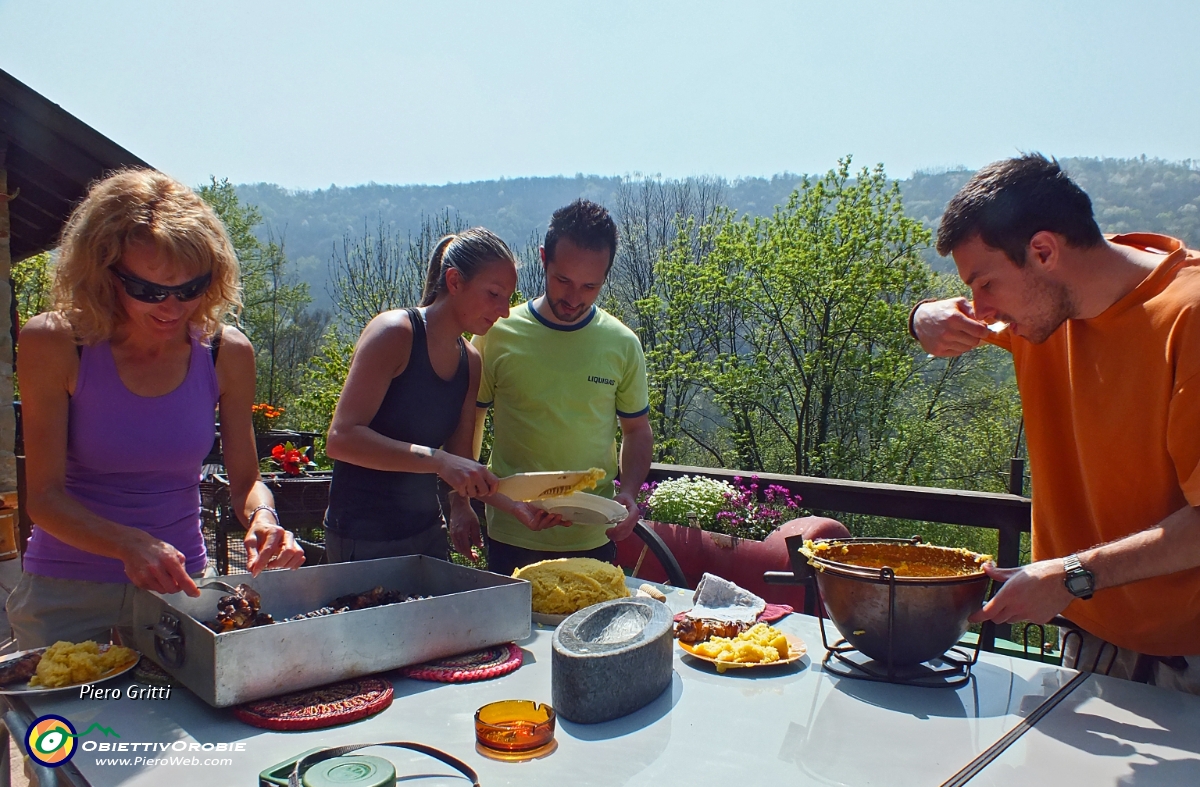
758	646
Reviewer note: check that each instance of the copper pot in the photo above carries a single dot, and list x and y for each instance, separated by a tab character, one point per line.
898	601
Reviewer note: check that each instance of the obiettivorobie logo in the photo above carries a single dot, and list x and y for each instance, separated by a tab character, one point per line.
51	740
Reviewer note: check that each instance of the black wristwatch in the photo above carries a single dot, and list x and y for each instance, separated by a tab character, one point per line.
1080	582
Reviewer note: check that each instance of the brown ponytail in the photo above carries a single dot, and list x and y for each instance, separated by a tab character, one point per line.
435	276
467	252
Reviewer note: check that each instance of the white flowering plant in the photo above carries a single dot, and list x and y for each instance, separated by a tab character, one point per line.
746	510
679	500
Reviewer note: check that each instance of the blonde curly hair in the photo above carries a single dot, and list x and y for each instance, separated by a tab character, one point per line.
141	206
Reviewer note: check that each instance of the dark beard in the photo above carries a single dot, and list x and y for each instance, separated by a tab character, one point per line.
560	316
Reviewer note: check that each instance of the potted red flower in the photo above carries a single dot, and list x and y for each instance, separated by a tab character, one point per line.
291	459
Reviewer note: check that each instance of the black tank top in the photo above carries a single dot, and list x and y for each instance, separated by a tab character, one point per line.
419	407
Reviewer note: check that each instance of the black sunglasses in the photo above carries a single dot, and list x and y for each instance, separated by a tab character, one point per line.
149	292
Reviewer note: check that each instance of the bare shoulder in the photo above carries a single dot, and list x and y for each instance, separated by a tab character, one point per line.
50	333
387	339
48	359
235	347
232	336
389	325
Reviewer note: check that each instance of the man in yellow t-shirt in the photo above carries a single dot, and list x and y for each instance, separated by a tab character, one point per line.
1105	338
560	375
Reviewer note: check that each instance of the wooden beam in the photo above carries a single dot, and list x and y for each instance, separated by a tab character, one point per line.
48	147
55	119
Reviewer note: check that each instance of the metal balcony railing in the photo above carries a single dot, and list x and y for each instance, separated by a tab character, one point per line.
1009	514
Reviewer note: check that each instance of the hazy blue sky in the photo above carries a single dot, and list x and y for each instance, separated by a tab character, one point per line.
306	94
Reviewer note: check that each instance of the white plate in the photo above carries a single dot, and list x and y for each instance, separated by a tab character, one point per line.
585	509
548	620
23	687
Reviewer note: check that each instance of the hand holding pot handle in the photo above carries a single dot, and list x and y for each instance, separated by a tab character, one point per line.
1034	593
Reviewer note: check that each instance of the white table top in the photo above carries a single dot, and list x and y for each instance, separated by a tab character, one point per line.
783	725
1107	732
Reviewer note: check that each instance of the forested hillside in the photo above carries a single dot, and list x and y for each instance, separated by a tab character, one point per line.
1129	194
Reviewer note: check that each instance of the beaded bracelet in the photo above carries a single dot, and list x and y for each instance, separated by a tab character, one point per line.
274	513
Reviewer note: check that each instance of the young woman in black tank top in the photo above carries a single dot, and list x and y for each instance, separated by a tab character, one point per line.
406	415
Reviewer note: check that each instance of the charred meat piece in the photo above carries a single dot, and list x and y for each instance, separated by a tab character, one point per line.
240	610
261	619
19	670
375	597
691	631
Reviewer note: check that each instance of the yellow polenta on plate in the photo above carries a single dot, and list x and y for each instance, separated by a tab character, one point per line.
759	646
567	585
66	663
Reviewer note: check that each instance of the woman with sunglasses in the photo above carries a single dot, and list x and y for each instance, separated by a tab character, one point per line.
406	416
119	387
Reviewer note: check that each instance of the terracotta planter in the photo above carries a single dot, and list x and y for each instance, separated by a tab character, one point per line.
739	560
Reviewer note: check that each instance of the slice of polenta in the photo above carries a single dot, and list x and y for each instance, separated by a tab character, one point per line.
528	487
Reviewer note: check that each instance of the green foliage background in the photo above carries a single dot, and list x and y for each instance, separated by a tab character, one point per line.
772	310
275	315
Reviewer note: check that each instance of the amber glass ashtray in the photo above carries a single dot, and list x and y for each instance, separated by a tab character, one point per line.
514	725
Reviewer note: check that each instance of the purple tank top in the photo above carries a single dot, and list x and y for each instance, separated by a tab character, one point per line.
134	460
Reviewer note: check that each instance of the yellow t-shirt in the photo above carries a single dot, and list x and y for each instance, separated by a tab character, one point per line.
1112	419
556	392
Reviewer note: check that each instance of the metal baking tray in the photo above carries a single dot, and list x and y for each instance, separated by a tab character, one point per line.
468	609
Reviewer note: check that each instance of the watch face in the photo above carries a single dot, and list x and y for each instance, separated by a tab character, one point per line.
1079	585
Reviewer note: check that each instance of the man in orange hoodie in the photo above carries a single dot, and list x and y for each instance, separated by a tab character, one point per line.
1105	338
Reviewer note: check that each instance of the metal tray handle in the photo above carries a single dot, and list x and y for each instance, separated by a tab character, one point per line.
168	641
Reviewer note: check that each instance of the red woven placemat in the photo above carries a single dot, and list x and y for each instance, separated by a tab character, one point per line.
148	672
478	665
327	706
770	614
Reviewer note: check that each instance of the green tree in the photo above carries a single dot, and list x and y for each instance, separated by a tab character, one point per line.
322	378
275	313
378	271
790	338
31	281
655	217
